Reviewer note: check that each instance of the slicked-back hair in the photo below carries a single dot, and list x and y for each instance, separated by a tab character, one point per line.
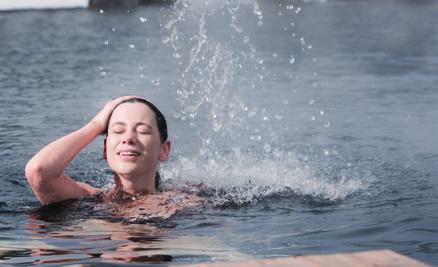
159	117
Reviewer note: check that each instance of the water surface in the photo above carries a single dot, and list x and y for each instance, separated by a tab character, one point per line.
312	123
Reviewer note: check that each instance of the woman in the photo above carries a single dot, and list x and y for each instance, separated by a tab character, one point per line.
136	142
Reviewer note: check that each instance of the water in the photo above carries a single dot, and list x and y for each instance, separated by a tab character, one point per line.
312	124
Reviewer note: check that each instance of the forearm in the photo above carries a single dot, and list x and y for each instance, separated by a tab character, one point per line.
51	161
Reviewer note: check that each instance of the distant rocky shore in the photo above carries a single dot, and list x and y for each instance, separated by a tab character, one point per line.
94	4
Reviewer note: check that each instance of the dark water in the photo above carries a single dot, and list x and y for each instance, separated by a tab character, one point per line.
312	123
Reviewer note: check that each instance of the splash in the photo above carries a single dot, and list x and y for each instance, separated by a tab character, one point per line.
239	154
241	178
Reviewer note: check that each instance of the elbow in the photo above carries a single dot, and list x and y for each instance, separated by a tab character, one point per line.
34	174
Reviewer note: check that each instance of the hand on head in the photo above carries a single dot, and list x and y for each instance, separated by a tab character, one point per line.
101	119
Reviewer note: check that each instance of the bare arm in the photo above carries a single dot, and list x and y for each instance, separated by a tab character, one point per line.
45	171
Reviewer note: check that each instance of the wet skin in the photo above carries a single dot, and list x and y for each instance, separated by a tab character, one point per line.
133	150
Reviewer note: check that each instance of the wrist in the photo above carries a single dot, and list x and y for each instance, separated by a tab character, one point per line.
97	127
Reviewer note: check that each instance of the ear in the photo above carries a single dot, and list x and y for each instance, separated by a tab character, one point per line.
104	149
165	150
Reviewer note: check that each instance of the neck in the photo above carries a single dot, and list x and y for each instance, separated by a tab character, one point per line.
135	184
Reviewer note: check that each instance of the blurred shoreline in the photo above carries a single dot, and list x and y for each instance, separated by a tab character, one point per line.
42	4
25	5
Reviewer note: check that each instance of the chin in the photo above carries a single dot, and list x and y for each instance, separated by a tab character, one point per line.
123	169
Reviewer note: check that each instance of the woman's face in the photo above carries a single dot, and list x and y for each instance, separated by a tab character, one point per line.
133	146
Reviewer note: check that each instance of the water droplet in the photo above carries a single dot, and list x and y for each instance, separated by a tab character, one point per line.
313	118
292	24
292	60
155	82
256	9
309	46
143	20
265	118
233	6
274	55
260	23
298	10
148	40
280	14
321	112
103	73
246	39
311	102
140	67
131	46
302	41
314	59
101	11
327	124
294	35
285	102
267	148
165	40
290	7
326	152
113	29
106	42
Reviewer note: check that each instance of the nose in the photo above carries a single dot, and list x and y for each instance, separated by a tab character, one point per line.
129	137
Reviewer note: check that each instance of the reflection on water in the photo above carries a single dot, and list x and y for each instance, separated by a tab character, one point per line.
86	239
94	238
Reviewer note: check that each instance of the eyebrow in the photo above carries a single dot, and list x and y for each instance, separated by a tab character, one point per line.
136	125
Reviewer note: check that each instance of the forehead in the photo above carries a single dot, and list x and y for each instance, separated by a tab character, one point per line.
133	112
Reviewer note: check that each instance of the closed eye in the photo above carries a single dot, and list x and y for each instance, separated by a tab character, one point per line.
117	130
144	129
144	132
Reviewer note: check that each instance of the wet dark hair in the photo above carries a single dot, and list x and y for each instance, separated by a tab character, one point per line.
161	124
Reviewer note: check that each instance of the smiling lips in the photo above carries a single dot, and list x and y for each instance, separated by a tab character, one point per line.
128	155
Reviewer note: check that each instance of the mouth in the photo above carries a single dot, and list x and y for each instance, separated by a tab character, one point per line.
129	155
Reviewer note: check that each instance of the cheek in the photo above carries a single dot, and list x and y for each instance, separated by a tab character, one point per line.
110	146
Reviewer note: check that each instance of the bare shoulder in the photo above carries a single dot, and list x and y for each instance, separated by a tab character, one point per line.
88	189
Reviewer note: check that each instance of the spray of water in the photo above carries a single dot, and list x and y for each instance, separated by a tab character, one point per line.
238	157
